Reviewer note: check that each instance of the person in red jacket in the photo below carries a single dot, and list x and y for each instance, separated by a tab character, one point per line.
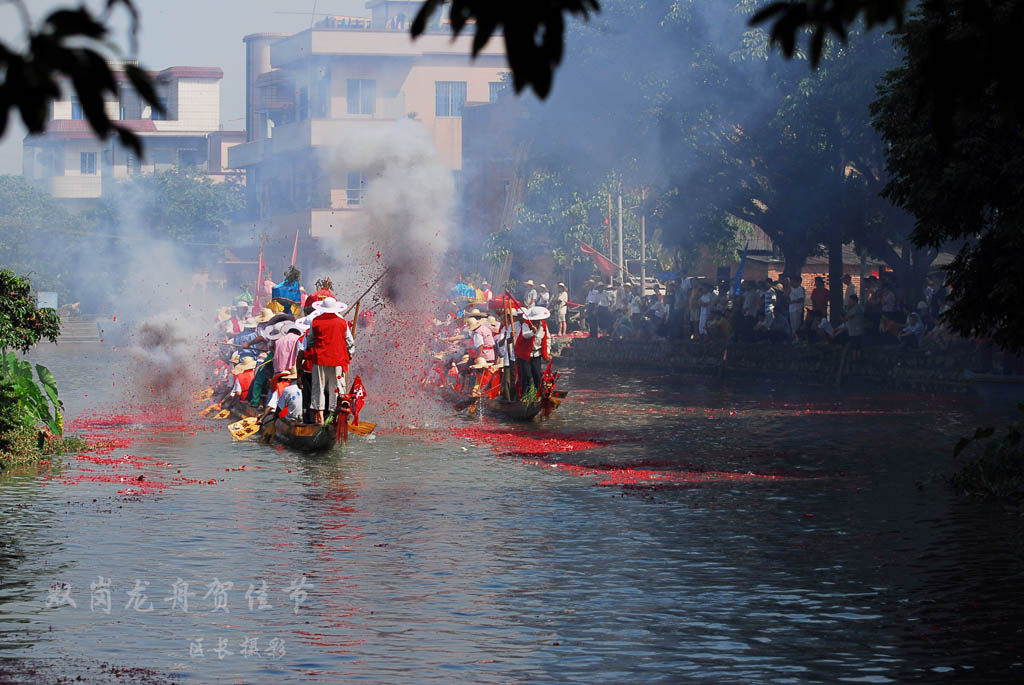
531	346
330	344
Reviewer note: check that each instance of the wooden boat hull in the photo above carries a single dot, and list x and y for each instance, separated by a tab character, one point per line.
302	437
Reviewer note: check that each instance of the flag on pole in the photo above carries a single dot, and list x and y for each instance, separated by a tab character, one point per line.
295	248
603	264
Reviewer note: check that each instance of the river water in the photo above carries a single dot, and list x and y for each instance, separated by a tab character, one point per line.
654	529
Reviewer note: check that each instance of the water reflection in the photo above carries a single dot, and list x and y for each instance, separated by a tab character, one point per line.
429	559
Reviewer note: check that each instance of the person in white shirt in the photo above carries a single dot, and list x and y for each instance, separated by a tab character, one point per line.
485	287
851	291
605	300
543	296
705	309
530	297
561	307
797	295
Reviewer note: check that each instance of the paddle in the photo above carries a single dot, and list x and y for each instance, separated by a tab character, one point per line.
361	428
240	430
203	395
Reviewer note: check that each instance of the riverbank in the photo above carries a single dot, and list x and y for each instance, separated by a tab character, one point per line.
886	368
31	446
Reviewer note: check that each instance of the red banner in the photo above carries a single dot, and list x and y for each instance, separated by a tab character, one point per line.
603	264
358	399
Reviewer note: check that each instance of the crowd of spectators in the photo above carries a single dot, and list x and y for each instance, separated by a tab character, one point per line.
770	311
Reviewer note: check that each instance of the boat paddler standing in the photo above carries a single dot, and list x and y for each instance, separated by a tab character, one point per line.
531	347
331	346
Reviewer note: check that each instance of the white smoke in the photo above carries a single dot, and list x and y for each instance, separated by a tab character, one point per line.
404	226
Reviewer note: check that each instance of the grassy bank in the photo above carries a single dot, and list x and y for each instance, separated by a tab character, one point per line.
26	446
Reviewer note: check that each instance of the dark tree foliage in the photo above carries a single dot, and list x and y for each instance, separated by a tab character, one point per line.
822	17
970	188
533	33
64	48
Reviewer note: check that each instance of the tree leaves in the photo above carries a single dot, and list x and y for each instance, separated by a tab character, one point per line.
67	48
533	35
820	18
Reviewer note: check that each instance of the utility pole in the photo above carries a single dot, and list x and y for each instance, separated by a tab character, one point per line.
621	264
608	229
643	242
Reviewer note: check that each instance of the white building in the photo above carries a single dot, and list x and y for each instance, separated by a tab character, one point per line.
344	75
70	162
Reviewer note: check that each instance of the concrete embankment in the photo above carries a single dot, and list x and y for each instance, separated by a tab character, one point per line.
888	368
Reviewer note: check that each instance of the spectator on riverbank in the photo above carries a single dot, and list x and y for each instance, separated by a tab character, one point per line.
560	308
912	333
819	297
543	296
605	300
856	321
797	296
593	293
851	291
529	294
705	310
696	292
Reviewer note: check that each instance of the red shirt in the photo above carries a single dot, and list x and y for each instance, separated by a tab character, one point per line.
329	346
819	299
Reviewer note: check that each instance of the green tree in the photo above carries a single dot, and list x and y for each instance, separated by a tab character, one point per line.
969	190
22	325
176	204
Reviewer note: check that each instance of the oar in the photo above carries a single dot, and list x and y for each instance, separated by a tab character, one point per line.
203	395
362	428
240	430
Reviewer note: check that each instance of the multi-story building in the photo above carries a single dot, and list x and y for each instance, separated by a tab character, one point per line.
70	162
343	76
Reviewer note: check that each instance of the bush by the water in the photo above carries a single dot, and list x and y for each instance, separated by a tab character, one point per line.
999	470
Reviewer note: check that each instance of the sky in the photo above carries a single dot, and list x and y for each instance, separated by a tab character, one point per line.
205	33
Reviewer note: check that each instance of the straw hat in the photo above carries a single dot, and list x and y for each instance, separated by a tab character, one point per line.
536	314
475	313
480	363
244	365
329	305
264	315
493	323
250	322
530	283
475	324
234	357
561	285
290	374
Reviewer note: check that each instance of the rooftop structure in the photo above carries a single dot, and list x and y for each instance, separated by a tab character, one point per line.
345	75
70	162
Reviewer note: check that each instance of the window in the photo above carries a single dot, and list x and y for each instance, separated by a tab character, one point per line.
76	108
162	157
495	88
88	163
356	188
122	113
449	98
155	114
362	96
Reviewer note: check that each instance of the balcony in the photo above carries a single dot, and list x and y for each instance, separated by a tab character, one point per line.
302	135
320	223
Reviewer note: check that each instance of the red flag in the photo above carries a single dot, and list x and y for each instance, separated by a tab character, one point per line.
358	399
603	264
498	301
295	248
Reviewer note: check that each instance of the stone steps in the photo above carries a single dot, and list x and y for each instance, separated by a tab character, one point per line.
79	331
